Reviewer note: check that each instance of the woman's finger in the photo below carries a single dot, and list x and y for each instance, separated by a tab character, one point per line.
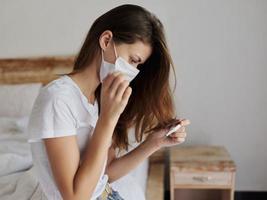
126	95
180	140
181	129
116	82
178	134
177	140
122	87
185	122
107	81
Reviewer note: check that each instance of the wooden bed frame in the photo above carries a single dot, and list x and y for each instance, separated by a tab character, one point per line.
44	70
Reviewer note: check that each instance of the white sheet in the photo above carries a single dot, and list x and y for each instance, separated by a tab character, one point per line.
15	152
20	185
16	180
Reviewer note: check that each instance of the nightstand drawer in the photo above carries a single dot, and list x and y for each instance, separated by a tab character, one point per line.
203	178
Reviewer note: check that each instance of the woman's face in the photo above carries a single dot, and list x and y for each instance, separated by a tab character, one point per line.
135	54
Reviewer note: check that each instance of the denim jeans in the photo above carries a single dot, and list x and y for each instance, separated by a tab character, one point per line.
110	194
114	195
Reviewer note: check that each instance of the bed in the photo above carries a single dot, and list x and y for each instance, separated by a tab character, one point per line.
20	81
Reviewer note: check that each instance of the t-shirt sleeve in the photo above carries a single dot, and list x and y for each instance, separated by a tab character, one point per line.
51	118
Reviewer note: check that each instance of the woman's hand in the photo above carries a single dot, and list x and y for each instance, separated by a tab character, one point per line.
115	93
159	139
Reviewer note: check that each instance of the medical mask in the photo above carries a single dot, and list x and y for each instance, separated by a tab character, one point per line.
120	65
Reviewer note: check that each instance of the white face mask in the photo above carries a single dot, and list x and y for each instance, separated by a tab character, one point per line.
120	65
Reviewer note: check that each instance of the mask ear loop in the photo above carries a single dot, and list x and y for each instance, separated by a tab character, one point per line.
115	50
102	55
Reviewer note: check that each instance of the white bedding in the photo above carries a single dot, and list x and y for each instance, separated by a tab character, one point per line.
16	181
16	178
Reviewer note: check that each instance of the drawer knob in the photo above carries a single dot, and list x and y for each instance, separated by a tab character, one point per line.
202	178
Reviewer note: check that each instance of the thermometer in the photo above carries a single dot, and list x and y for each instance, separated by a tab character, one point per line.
174	129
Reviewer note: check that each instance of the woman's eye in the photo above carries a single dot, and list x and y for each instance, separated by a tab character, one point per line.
134	61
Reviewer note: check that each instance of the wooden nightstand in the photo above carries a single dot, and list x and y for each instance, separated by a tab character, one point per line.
202	173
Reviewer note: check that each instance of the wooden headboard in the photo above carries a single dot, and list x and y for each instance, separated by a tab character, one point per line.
35	69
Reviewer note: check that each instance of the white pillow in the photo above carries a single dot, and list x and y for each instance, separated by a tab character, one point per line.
10	124
17	100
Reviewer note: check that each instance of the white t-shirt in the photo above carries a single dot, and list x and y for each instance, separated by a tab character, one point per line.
60	109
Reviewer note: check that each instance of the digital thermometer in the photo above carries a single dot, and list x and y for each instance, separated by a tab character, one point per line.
174	129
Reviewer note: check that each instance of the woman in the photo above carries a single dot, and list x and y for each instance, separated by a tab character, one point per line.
120	79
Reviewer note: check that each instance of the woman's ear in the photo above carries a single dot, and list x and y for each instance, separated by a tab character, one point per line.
105	39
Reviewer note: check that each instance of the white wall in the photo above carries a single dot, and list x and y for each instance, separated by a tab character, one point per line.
219	48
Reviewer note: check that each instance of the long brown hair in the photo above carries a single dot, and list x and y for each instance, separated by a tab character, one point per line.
150	106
